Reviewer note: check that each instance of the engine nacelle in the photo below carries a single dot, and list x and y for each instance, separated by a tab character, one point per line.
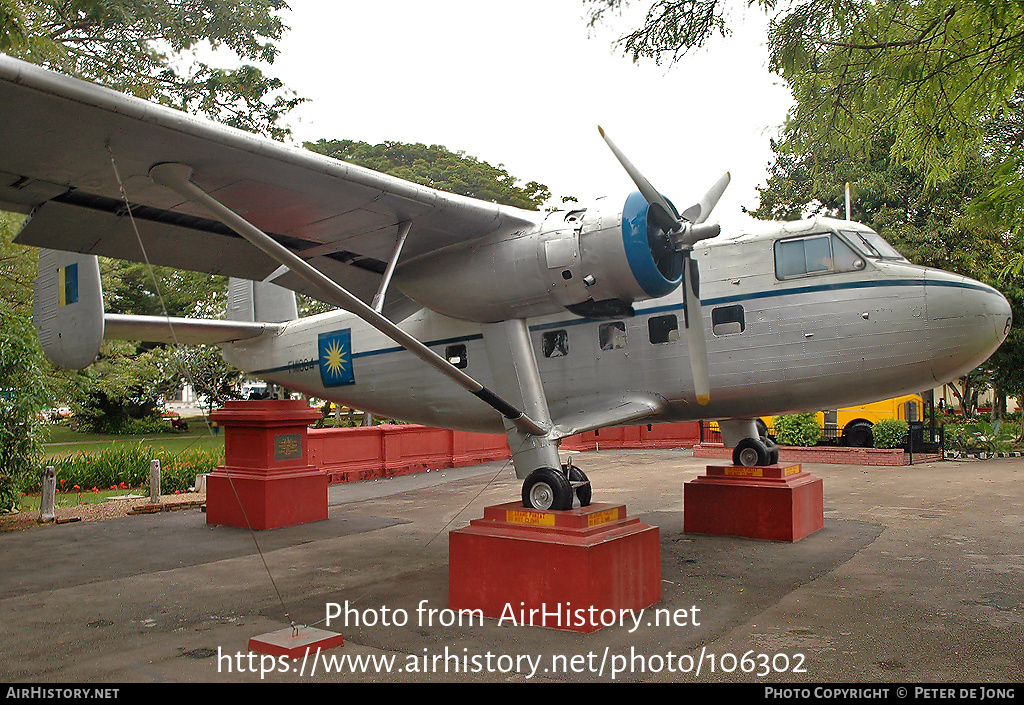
592	262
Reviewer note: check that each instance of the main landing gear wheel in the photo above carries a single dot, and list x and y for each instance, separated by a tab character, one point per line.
547	488
750	452
773	450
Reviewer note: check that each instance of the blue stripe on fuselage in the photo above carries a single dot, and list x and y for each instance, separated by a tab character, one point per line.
792	291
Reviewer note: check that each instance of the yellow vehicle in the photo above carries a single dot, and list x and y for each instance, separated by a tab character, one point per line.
851	425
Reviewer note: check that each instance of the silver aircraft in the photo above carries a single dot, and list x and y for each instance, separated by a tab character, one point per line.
465	314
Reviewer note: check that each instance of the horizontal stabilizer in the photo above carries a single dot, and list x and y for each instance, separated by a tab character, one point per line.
68	308
184	331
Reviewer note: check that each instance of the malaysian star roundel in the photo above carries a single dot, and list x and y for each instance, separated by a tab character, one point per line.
336	358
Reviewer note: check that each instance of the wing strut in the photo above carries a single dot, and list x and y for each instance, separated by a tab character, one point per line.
378	299
177	177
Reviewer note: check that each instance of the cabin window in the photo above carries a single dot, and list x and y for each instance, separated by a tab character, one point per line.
872	244
612	335
456	355
663	329
816	254
555	343
727	320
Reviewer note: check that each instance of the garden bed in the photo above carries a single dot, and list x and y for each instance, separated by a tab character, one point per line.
111	509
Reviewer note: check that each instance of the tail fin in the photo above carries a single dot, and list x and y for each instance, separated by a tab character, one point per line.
260	302
68	308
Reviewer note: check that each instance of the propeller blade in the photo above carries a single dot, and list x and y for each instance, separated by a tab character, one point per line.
694	323
683	232
664	213
699	211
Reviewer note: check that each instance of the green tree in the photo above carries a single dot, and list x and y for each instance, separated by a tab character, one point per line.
142	47
23	385
17	267
202	367
944	76
145	48
120	389
918	103
133	288
437	167
671	28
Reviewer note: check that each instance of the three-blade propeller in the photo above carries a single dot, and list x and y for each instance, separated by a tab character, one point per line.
684	231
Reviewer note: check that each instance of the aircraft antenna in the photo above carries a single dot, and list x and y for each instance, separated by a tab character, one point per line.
848	200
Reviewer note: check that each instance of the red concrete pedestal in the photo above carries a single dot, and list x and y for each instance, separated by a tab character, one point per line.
777	503
295	643
572	570
266	481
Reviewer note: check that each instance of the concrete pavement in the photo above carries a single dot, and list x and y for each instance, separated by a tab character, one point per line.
918	576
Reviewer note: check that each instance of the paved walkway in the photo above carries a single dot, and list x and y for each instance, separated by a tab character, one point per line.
918	576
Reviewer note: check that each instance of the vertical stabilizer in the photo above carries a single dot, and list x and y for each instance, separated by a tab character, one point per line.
260	302
68	308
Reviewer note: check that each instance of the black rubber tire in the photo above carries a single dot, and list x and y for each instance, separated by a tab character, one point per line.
858	435
750	452
584	493
547	488
773	450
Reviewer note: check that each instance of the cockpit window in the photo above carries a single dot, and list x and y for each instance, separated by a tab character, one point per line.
821	253
872	244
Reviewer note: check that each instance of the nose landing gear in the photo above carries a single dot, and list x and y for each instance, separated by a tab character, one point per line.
755	451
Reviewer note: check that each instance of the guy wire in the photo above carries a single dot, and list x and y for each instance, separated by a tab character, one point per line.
188	373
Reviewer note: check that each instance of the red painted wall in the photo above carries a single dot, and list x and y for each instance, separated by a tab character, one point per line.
364	453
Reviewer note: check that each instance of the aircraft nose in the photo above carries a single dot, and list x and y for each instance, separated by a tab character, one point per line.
967	320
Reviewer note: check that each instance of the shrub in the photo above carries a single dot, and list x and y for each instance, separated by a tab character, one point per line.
121	425
890	433
796	430
129	463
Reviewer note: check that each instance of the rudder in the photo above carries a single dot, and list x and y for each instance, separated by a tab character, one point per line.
67	308
260	302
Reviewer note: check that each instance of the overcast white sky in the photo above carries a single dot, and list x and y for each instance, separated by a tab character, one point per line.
526	83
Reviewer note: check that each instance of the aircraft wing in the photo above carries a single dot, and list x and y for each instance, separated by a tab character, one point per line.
62	138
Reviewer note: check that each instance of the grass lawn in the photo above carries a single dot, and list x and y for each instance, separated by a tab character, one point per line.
63	440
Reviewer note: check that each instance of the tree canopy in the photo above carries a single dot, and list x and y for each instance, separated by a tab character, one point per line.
141	47
919	104
145	48
938	82
437	167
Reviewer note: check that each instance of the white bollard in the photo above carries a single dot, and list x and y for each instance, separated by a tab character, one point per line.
154	482
46	508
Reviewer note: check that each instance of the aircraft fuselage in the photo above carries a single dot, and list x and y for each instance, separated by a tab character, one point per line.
780	339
